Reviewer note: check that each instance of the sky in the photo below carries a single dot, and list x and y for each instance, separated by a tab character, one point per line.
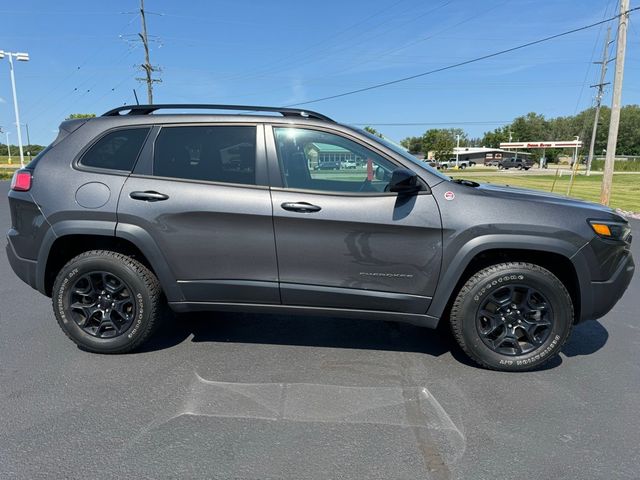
85	58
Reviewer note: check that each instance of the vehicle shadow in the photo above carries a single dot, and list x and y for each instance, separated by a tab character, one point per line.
586	338
227	327
299	330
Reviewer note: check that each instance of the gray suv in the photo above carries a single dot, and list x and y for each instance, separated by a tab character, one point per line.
131	211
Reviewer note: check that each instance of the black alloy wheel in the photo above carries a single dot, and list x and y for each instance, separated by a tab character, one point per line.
514	320
102	304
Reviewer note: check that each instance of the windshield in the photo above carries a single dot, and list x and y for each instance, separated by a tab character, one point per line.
390	144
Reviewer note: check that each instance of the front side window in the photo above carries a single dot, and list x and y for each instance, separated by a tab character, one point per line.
117	150
222	153
316	160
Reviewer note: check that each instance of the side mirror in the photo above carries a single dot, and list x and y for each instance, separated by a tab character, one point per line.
404	182
381	174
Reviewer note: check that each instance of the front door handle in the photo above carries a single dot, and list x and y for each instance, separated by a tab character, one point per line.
148	196
302	207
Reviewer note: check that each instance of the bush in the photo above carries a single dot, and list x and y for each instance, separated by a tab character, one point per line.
619	165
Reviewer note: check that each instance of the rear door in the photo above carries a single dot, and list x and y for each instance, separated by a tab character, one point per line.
200	193
342	240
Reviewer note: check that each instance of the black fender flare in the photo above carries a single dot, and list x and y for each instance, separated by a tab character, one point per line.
453	271
132	233
149	248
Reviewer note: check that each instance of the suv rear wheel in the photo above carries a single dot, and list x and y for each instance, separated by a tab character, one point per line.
512	316
106	302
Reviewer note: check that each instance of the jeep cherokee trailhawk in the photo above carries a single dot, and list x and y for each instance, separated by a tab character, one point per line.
132	210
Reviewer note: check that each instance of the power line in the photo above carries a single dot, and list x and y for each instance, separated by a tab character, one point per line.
460	64
302	57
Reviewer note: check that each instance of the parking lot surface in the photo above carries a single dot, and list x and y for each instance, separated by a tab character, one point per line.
224	395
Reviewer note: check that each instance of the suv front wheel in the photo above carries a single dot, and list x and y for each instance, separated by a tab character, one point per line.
106	302
512	316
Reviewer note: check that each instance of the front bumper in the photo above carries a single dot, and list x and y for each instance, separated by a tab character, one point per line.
25	269
604	295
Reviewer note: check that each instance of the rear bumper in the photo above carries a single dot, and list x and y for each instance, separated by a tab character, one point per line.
25	269
604	295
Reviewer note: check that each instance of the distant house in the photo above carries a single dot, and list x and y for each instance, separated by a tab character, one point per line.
323	153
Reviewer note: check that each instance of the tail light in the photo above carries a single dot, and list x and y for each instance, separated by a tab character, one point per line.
21	181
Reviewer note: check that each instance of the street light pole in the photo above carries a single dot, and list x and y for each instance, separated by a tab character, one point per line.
23	57
457	150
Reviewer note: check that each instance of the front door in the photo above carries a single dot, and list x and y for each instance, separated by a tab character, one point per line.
344	241
201	196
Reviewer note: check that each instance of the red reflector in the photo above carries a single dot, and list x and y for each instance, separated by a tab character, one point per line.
21	181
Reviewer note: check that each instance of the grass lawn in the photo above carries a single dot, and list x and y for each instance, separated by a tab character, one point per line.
625	193
15	158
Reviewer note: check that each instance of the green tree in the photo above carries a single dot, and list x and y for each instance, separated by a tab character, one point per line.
441	141
413	144
373	131
73	116
494	138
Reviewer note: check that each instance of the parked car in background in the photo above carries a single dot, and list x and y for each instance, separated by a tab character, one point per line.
461	163
513	162
349	164
328	165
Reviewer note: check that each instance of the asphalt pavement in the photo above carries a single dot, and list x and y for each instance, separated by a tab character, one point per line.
223	395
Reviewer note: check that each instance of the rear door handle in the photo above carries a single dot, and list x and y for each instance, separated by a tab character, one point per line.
148	196
302	207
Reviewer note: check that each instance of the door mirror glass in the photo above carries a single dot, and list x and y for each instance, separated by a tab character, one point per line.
404	181
382	174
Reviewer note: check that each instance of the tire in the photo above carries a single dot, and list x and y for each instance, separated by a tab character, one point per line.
463	166
500	166
117	302
499	339
519	167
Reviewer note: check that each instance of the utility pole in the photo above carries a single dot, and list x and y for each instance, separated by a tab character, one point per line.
614	124
146	66
9	161
26	126
599	95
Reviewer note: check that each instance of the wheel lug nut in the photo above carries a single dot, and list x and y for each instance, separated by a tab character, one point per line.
510	325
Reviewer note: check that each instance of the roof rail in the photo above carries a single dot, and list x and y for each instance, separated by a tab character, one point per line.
148	109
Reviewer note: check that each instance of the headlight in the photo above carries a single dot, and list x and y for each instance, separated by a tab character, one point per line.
611	230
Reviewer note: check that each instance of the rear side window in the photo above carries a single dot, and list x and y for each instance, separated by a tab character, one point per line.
116	150
221	153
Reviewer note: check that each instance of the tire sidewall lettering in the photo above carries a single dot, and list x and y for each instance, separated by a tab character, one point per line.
139	317
497	282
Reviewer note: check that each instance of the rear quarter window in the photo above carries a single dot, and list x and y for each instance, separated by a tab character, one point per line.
117	150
